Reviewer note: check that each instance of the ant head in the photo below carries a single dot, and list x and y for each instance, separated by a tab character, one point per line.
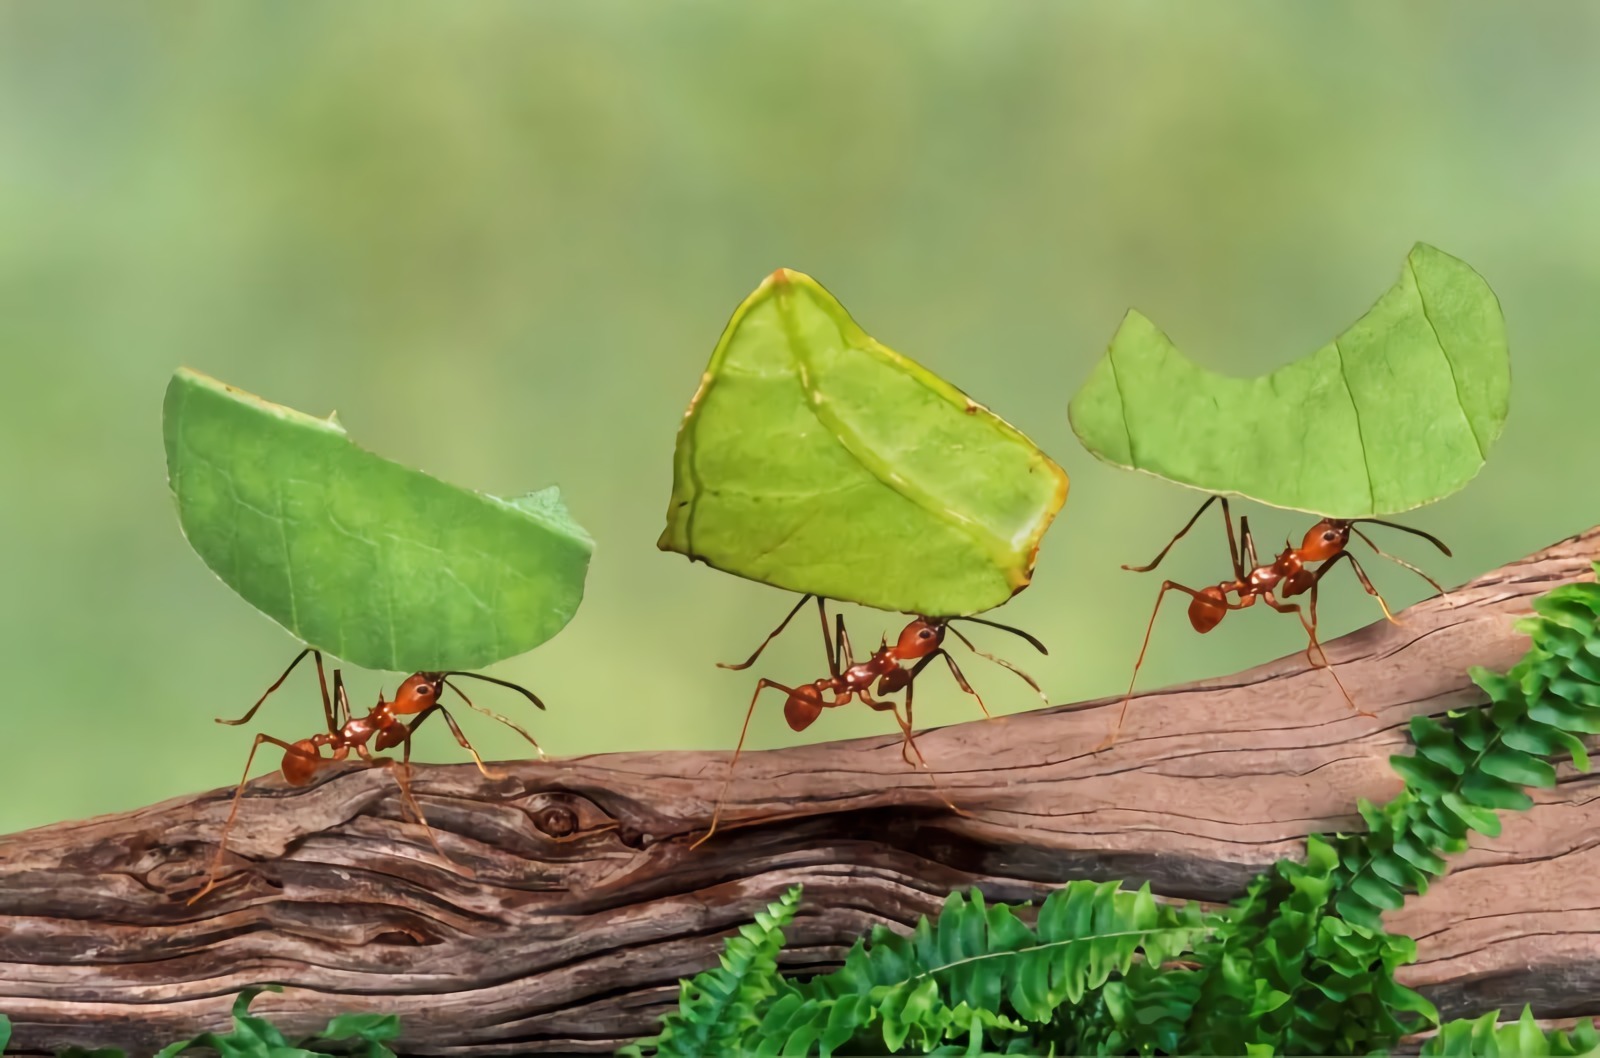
418	692
919	638
1324	540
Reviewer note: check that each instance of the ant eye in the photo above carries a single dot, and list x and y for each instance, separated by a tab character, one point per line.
1330	536
425	689
926	633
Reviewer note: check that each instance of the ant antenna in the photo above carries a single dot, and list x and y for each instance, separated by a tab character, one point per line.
1034	643
1429	537
1002	662
1400	561
534	698
489	712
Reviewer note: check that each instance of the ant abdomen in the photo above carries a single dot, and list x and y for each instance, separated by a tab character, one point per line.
1207	609
300	762
803	707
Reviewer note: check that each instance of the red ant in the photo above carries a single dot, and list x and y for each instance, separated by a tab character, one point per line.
921	641
417	696
1287	574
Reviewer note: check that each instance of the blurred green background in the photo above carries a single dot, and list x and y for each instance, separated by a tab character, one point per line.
502	237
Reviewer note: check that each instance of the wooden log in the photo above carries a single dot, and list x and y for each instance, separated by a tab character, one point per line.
571	902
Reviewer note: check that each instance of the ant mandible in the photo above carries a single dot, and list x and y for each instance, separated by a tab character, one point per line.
921	641
1288	575
417	696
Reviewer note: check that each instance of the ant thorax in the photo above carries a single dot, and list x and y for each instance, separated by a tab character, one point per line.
862	673
1263	578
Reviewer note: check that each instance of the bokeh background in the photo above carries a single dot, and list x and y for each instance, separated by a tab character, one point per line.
502	237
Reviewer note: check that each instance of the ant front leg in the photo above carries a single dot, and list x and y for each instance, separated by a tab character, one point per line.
461	740
910	679
233	812
961	680
1361	575
1440	544
486	712
751	660
1002	662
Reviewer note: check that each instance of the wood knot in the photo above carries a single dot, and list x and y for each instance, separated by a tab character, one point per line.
558	821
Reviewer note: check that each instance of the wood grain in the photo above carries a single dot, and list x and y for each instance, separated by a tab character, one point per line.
571	902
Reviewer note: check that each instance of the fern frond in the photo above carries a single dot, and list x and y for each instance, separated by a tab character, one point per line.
979	972
717	1009
1483	1038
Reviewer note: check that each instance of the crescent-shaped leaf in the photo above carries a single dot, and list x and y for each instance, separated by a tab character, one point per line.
815	459
376	563
1399	411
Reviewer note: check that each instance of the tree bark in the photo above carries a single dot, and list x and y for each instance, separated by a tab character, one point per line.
584	903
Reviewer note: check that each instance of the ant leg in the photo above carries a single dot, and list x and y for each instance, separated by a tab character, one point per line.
1154	562
401	775
1361	575
222	840
911	683
341	702
1311	631
1166	586
910	741
907	745
838	647
1247	549
961	680
410	803
845	653
1366	583
298	658
716	813
487	712
461	739
1400	561
1001	662
751	660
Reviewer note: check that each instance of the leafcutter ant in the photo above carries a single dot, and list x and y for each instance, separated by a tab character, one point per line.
1284	577
418	696
919	643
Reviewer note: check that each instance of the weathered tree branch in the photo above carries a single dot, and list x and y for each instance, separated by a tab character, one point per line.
587	905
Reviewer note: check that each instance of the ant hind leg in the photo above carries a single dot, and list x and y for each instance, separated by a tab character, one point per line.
233	812
716	813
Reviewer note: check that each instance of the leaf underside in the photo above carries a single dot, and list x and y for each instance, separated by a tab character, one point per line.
815	459
371	561
1398	411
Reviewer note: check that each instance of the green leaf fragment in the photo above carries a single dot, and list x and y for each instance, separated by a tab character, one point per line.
816	459
1398	411
376	563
